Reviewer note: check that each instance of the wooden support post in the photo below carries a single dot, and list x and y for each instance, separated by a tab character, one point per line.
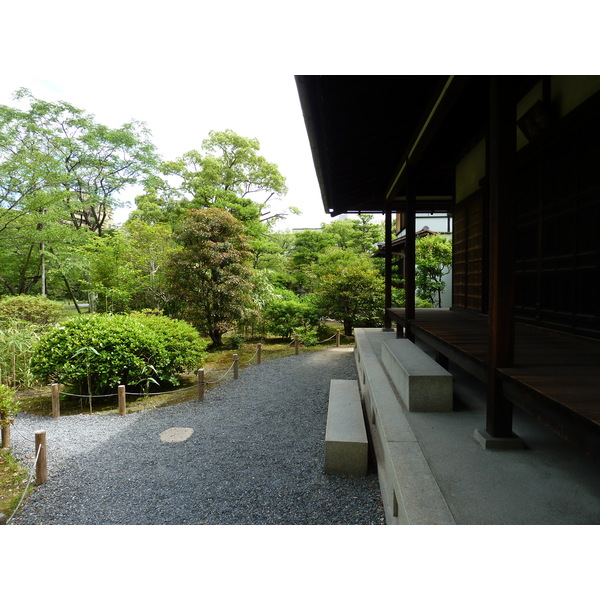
5	434
387	320
55	401
337	338
296	344
122	400
502	158
201	385
41	471
410	254
236	368
258	353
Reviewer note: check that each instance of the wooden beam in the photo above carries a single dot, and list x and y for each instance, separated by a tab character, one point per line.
387	321
502	154
444	98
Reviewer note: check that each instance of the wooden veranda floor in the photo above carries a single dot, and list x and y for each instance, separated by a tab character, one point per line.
555	376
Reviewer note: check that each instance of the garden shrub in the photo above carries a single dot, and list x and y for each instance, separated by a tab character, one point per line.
307	335
135	351
34	309
284	315
9	405
17	341
182	342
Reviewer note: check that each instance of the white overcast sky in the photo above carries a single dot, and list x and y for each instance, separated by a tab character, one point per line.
185	68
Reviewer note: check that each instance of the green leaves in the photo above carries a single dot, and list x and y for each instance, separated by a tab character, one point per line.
433	261
96	353
210	275
9	405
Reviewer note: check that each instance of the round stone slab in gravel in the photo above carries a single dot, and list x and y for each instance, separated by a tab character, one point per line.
176	434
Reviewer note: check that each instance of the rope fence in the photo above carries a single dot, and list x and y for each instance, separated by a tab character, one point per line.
202	384
39	469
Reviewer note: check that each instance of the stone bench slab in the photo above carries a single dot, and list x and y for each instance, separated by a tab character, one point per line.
346	442
422	383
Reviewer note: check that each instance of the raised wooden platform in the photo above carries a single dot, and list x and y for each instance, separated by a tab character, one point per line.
555	376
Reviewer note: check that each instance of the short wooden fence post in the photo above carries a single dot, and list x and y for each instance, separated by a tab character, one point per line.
5	433
41	471
295	344
258	353
236	368
201	385
337	338
122	400
55	401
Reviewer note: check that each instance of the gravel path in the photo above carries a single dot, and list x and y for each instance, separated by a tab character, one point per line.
255	457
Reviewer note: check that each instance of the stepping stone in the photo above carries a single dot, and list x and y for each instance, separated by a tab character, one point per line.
176	434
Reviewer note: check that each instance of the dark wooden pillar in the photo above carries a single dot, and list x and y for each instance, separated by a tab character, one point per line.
410	259
387	320
502	154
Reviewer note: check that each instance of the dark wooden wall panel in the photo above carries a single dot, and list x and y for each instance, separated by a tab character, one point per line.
558	225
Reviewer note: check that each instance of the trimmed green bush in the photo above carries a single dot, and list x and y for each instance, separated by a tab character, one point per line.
102	351
283	316
33	309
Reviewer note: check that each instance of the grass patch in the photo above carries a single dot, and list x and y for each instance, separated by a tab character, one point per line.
13	479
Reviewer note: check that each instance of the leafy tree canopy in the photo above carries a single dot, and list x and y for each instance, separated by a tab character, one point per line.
228	172
55	154
210	274
433	261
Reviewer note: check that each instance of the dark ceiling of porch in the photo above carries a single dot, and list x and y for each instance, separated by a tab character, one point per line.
361	129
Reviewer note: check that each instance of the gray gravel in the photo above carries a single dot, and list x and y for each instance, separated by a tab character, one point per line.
255	457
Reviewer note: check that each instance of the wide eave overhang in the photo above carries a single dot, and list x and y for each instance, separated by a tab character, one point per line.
376	138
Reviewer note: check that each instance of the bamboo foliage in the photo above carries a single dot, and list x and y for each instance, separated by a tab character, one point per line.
16	348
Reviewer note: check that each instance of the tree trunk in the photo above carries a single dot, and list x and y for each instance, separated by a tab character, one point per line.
216	337
347	327
69	290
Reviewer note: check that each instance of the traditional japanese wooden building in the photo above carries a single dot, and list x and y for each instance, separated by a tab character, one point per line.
516	161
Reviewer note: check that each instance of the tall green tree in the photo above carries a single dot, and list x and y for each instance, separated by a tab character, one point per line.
355	236
433	261
210	275
59	170
349	289
227	172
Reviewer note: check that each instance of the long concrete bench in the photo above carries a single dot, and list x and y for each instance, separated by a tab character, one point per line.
346	443
422	383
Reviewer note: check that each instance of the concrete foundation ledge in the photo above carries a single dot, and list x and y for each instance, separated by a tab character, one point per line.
409	490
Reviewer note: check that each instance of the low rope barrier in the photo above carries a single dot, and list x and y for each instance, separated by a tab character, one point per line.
145	394
258	347
329	338
223	377
15	429
34	470
40	441
87	395
122	393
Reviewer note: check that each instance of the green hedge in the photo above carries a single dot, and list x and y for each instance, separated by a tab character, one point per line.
108	350
33	309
